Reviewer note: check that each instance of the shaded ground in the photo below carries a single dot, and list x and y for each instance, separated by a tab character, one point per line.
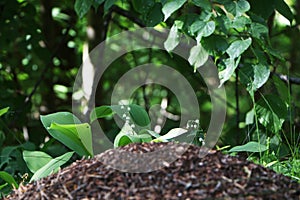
191	176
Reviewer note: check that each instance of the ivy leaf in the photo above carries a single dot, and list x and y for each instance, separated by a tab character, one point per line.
230	65
250	147
271	112
173	38
205	4
204	30
198	56
237	8
171	6
254	76
259	31
238	47
82	7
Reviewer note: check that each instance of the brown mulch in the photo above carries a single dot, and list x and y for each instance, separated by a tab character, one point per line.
191	176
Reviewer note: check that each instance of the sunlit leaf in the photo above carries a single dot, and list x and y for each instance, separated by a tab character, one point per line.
8	179
230	66
100	112
51	166
173	38
249	147
284	9
36	159
237	8
171	6
238	47
205	4
3	111
271	112
198	56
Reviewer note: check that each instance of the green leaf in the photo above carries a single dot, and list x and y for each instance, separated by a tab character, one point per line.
238	47
175	132
59	117
198	56
100	112
82	7
259	31
108	4
77	137
213	43
249	147
143	137
144	6
126	136
3	111
36	159
51	166
240	22
173	38
282	89
155	15
171	6
230	65
271	112
249	117
149	132
237	8
205	4
139	115
284	9
203	30
254	76
8	179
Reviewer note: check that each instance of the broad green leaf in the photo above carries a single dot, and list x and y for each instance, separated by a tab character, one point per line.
139	115
213	43
171	6
259	31
249	147
237	8
238	47
230	66
3	111
282	89
155	15
254	76
125	136
205	4
204	30
51	166
100	112
263	8
82	7
108	4
173	38
77	137
271	112
175	132
198	56
36	159
284	9
240	22
8	179
59	117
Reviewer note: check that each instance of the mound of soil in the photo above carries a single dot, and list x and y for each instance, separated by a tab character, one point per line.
190	176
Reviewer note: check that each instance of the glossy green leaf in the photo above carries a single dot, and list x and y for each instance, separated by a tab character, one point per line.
254	76
237	8
108	4
82	7
205	4
271	112
171	6
100	112
198	56
77	137
173	38
139	115
52	166
238	47
3	111
230	66
249	147
8	179
36	159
